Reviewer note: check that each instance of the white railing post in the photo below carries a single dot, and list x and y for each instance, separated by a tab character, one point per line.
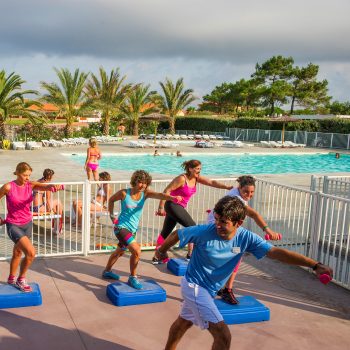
325	188
316	218
86	217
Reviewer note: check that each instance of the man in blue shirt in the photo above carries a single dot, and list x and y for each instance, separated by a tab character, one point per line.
218	248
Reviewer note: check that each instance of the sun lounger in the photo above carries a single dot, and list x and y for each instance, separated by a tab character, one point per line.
31	145
136	144
18	145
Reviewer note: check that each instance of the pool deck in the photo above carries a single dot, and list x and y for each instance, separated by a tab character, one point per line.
67	170
77	315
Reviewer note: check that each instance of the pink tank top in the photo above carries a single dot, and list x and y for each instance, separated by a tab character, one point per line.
19	200
185	191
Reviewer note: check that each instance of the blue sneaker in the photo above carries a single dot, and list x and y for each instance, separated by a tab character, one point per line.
134	282
110	275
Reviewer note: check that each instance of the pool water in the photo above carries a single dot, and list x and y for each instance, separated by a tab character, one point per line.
224	164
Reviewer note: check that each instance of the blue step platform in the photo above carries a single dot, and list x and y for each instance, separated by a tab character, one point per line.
248	310
11	297
121	294
177	266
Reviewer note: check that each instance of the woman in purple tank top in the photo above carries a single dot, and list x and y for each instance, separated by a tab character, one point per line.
19	197
183	185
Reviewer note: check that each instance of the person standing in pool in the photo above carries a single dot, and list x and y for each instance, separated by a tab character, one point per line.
184	185
244	192
19	197
92	157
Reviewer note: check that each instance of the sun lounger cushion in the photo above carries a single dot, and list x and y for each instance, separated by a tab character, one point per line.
121	294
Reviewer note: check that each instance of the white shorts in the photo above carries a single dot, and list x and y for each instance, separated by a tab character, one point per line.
198	305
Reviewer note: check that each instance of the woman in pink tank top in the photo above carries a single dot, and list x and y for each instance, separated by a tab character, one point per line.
19	197
183	185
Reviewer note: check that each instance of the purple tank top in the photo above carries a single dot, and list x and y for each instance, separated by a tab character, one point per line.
185	191
19	200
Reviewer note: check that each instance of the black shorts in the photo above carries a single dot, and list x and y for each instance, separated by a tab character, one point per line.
16	232
124	237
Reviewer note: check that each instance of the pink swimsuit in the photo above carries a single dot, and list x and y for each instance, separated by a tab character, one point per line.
19	201
185	191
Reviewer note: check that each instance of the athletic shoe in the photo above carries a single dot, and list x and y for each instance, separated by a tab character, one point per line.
163	258
23	286
188	256
110	275
11	280
228	296
134	282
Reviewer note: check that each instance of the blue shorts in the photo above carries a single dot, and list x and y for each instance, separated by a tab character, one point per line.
16	232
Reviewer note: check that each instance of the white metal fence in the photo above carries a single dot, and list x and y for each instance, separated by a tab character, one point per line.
311	139
334	185
312	223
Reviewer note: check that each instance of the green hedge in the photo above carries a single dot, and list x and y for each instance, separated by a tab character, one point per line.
203	123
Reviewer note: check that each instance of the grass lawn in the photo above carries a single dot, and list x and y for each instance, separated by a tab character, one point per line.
21	121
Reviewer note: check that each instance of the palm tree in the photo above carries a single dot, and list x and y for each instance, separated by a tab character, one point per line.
138	103
12	102
69	97
107	93
175	99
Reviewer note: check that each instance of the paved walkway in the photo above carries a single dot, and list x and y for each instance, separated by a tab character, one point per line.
77	315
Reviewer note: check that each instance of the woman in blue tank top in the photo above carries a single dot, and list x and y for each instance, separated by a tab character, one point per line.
125	227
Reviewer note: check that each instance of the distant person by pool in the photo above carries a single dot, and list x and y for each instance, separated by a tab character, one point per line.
337	155
156	153
178	154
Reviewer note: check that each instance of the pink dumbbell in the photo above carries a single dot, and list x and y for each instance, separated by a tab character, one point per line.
115	221
325	278
53	188
267	237
2	221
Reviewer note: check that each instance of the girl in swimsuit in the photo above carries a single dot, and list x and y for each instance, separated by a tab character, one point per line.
92	157
183	185
19	197
42	201
99	202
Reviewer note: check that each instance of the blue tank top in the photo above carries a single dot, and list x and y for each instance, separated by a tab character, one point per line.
131	211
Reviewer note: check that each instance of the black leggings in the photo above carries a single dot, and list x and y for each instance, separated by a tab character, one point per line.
175	213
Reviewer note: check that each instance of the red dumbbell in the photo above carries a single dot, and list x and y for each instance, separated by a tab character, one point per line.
325	278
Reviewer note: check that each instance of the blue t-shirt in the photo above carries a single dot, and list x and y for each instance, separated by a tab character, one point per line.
213	258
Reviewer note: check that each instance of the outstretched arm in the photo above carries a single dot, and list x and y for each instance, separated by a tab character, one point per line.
213	183
261	223
163	196
118	196
292	258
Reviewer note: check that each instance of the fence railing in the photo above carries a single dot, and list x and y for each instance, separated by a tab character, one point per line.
312	223
334	185
311	139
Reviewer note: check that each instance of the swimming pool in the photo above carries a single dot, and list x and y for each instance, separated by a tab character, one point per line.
225	163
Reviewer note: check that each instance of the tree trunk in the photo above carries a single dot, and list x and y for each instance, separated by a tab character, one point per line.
135	128
106	125
172	125
292	105
272	108
2	128
68	130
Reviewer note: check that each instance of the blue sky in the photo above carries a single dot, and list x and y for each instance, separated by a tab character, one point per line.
204	42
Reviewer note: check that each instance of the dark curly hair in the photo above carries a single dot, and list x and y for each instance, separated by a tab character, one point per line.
105	176
47	174
246	180
231	208
140	176
190	164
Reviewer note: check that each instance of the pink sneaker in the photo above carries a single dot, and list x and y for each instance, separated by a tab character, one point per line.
23	286
11	280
